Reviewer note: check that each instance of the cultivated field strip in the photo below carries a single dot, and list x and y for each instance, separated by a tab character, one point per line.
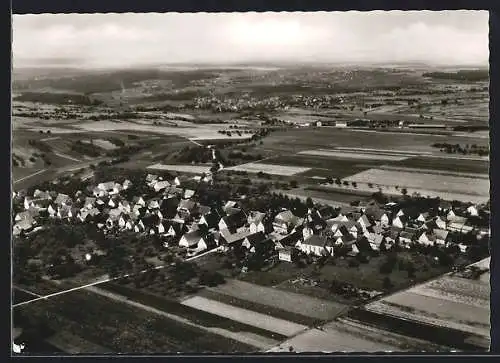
355	155
248	317
289	301
284	170
331	341
426	184
434	172
195	169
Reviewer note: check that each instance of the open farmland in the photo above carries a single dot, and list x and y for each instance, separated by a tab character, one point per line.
354	155
345	335
322	166
262	321
289	301
195	169
124	328
448	302
195	132
445	186
273	169
446	164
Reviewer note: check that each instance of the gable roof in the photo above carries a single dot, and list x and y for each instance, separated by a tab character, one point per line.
193	237
186	204
441	233
256	238
315	240
256	217
234	237
62	198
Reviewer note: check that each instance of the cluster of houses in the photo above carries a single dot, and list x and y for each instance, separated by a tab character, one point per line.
174	213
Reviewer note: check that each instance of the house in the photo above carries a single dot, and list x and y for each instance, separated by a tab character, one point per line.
113	202
377	214
189	193
126	184
400	221
62	199
210	220
423	217
153	204
41	195
186	208
150	222
89	202
285	253
253	240
98	193
427	239
107	187
233	222
124	206
139	201
122	221
441	236
65	212
472	211
346	240
460	226
23	226
315	245
139	227
52	211
326	212
177	181
406	238
364	221
227	238
440	223
203	210
230	204
161	185
113	218
160	228
259	222
285	221
151	179
339	218
193	240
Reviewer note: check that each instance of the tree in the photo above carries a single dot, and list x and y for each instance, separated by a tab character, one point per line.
329	180
338	181
294	184
404	191
354	184
309	202
387	284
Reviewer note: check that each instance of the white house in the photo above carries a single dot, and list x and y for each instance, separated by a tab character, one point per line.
315	245
472	211
161	185
193	240
426	239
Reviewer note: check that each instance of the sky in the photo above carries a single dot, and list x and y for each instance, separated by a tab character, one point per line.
109	40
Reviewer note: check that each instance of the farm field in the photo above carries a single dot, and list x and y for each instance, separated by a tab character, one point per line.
444	186
354	155
289	301
316	340
196	169
336	168
262	321
273	169
448	302
196	132
124	328
445	164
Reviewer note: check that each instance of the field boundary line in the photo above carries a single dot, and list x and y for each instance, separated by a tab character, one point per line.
29	176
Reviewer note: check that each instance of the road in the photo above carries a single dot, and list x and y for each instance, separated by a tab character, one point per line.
108	279
29	176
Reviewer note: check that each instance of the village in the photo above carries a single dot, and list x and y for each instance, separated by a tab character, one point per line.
171	212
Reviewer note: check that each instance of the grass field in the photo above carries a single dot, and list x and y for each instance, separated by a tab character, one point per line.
123	328
197	316
273	169
288	301
354	155
426	183
336	168
463	166
195	169
279	326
